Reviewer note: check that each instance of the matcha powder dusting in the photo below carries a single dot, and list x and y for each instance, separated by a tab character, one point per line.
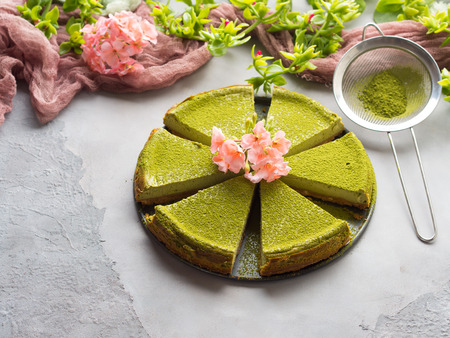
384	95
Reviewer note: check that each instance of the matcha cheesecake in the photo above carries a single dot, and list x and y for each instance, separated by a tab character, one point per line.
200	213
170	167
225	108
295	232
206	229
339	171
305	121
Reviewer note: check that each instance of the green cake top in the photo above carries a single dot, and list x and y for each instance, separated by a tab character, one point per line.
342	163
291	223
305	121
225	108
167	158
213	218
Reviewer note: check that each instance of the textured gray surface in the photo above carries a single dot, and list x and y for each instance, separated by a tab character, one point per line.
427	316
76	262
55	278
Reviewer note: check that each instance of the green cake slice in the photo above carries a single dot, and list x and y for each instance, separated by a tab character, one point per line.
295	232
339	171
206	229
305	121
170	167
225	108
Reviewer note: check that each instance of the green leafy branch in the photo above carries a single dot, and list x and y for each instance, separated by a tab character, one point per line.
272	74
191	25
445	83
317	32
44	14
398	10
325	23
40	13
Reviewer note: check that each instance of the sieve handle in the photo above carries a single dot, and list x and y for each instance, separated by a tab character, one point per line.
423	239
367	26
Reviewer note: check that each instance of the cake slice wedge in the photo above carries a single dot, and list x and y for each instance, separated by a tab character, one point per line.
339	171
225	108
170	167
306	122
295	232
206	229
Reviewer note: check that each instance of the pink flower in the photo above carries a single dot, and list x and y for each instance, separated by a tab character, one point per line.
230	157
268	165
280	142
270	169
111	43
217	139
259	137
257	152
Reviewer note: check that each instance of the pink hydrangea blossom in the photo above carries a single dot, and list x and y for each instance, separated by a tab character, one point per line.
111	43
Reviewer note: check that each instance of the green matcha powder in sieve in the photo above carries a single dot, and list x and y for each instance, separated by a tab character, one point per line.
384	95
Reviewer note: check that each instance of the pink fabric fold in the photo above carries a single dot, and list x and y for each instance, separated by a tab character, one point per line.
25	53
53	80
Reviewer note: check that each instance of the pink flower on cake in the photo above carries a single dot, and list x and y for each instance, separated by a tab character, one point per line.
217	139
269	166
111	43
230	157
280	142
257	152
260	136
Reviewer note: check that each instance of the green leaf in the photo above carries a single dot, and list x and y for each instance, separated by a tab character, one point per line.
52	29
33	3
77	50
35	13
380	17
362	5
385	6
217	48
70	5
76	27
256	81
247	13
446	41
53	15
274	68
279	81
187	2
64	48
187	18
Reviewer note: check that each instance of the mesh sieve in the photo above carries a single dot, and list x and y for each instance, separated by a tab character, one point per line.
409	63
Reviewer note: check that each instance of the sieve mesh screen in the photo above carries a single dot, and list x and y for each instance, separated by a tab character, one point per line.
404	65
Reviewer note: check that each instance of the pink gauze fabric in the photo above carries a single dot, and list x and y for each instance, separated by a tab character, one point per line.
25	54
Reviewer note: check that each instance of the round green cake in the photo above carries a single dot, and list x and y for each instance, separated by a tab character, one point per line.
201	214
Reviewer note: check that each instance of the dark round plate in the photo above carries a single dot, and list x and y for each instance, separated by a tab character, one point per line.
246	266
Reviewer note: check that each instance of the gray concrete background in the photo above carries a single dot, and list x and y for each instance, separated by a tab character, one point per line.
76	262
